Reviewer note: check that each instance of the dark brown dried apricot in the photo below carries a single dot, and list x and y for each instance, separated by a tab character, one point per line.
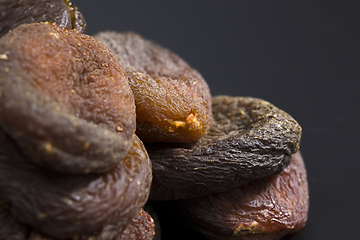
39	236
65	99
267	208
10	228
141	228
62	12
64	206
249	139
173	101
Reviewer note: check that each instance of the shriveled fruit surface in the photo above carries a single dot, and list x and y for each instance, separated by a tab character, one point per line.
33	235
154	215
173	101
64	206
65	99
265	209
10	228
142	227
62	12
249	139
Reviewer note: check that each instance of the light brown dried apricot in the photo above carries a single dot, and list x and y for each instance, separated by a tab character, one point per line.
65	99
173	101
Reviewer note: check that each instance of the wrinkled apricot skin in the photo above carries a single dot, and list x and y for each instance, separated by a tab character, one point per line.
65	99
10	228
64	206
173	101
267	208
153	213
249	139
16	12
142	227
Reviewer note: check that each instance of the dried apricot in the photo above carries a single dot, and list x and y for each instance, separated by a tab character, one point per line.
153	213
142	227
62	12
10	228
173	101
65	99
64	206
249	139
267	208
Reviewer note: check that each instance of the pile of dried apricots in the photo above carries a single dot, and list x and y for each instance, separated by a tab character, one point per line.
96	129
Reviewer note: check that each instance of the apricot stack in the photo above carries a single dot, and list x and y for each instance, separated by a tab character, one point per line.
96	129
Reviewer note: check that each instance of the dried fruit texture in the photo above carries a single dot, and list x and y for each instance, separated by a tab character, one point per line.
142	227
65	99
10	228
38	236
249	139
63	206
62	12
151	211
173	101
266	209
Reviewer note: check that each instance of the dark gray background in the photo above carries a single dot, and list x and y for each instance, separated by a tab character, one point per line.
303	56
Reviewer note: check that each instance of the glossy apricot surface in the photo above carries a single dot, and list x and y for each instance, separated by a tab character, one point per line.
173	101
